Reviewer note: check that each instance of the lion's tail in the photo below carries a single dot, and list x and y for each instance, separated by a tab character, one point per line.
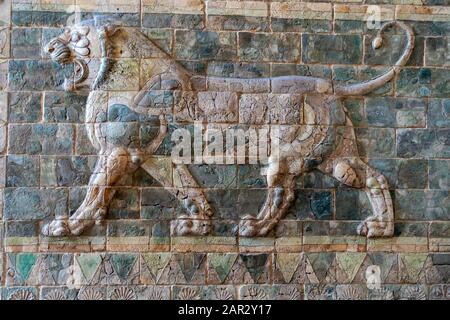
368	86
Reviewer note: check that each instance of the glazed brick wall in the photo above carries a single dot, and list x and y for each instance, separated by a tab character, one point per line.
403	129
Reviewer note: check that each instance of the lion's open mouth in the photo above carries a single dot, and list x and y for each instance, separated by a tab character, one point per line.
59	53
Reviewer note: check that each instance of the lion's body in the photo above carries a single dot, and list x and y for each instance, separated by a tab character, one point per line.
304	114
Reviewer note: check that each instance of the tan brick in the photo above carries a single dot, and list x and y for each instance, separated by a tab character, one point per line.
238	8
301	10
173	6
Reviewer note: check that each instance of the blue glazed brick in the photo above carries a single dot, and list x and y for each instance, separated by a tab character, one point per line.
391	50
206	45
439	113
422	205
343	49
250	201
66	171
423	82
168	20
312	70
126	19
34	203
24	107
64	107
26	43
251	176
439	174
40	18
355	110
269	47
21	229
388	167
352	204
125	204
45	139
412	174
430	28
411	229
36	75
376	142
22	171
214	176
158	203
238	23
238	70
351	75
395	112
300	25
438	52
315	205
224	202
431	143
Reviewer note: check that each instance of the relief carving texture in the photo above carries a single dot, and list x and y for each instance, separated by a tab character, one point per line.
350	202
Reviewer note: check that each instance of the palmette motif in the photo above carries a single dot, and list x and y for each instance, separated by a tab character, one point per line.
318	134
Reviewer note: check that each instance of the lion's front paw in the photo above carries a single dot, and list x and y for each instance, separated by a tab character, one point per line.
185	226
250	226
56	228
374	227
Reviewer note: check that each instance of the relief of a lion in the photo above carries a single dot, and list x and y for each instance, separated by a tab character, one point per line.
321	137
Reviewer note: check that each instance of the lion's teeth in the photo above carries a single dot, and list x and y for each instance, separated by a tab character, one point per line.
82	51
82	43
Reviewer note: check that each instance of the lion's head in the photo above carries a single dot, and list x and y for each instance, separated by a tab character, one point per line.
71	47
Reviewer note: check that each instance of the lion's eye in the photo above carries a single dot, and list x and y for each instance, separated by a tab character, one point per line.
51	50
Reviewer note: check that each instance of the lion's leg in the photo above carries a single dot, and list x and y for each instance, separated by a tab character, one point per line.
355	173
280	194
108	171
198	222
